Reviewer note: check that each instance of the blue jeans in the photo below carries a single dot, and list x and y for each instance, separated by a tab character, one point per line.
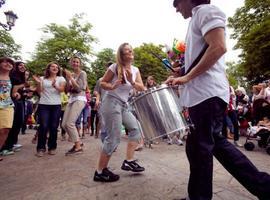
94	118
231	121
49	116
83	116
234	119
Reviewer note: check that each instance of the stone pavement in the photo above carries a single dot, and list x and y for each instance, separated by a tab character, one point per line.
26	177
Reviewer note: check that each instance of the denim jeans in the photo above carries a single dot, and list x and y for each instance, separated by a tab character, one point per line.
231	121
63	132
83	117
234	119
94	118
206	141
49	116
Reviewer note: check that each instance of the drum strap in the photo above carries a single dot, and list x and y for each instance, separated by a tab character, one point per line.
196	61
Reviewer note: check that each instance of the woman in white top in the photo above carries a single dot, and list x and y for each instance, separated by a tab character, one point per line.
49	87
119	80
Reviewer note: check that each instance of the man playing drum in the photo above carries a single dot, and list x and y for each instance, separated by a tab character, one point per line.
206	94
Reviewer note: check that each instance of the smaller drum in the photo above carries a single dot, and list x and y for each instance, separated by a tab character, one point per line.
159	113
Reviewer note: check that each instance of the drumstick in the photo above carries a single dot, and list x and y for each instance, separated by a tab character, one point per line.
164	61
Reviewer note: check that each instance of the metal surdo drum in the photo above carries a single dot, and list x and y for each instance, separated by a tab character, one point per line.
159	113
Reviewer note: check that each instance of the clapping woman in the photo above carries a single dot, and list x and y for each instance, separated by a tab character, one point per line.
49	87
76	85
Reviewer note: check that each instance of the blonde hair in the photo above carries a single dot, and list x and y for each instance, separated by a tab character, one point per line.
120	54
120	61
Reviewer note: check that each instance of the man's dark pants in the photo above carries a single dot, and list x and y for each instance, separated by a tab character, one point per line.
207	140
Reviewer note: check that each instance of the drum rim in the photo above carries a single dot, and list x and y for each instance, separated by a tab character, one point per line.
149	91
181	130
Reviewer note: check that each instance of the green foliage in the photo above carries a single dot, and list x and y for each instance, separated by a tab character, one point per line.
99	65
60	43
8	47
149	65
234	74
256	63
91	77
254	12
251	24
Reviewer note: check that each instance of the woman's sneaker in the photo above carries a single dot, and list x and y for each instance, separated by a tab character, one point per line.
74	151
179	142
139	147
52	152
106	176
17	146
40	153
132	166
7	152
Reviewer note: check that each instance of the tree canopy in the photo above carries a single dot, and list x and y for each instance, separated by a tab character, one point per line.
102	58
60	43
149	65
251	25
8	47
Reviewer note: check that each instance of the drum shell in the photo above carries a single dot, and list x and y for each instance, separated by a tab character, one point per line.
159	112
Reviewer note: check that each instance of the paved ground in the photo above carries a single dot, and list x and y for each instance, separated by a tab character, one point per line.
25	176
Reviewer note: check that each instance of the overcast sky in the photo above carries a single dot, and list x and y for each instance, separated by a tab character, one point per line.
114	21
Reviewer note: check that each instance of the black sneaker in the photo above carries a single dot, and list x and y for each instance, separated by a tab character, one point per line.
73	151
106	176
132	166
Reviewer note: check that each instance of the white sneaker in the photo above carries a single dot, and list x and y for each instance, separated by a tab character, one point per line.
6	152
169	141
17	146
16	149
236	143
179	142
176	140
